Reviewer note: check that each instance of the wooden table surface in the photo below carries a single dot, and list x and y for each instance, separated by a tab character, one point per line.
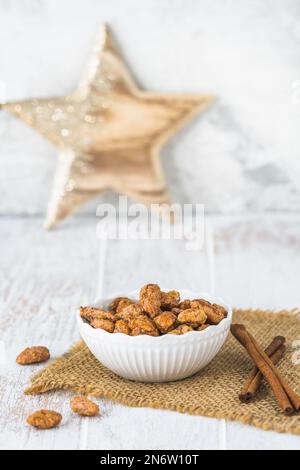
250	261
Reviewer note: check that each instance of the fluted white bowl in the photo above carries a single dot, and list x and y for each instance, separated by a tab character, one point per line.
156	359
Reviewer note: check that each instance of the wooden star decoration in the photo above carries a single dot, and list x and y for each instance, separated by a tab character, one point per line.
109	133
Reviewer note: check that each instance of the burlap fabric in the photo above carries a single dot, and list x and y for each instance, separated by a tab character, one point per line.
212	392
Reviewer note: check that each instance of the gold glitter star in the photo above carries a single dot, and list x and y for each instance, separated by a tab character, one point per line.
109	133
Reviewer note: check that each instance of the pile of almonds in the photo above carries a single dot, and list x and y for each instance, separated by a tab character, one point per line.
156	313
48	419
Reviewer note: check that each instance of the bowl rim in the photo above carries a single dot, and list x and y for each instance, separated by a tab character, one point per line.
145	340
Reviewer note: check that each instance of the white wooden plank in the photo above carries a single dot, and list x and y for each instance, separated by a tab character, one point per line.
258	263
44	278
257	260
211	257
240	437
134	428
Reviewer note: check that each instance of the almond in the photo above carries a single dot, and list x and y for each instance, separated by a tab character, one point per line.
44	419
33	355
83	406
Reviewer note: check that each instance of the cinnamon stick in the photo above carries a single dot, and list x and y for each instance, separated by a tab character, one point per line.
275	352
287	399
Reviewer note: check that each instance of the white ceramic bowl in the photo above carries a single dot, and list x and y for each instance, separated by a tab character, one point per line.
162	359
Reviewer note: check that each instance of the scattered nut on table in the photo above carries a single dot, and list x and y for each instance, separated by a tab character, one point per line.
83	406
44	419
33	355
156	313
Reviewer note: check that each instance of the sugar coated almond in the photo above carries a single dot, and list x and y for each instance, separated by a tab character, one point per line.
33	355
83	406
44	419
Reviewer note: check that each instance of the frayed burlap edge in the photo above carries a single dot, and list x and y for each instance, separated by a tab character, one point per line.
40	384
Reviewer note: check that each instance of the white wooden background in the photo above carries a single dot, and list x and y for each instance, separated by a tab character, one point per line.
252	261
243	154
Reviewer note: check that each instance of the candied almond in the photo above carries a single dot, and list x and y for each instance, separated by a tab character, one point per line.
170	299
83	406
202	327
122	326
145	325
44	419
136	332
185	304
113	306
192	315
34	355
176	311
221	310
124	303
165	321
196	303
90	313
181	330
106	325
150	299
214	315
130	312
